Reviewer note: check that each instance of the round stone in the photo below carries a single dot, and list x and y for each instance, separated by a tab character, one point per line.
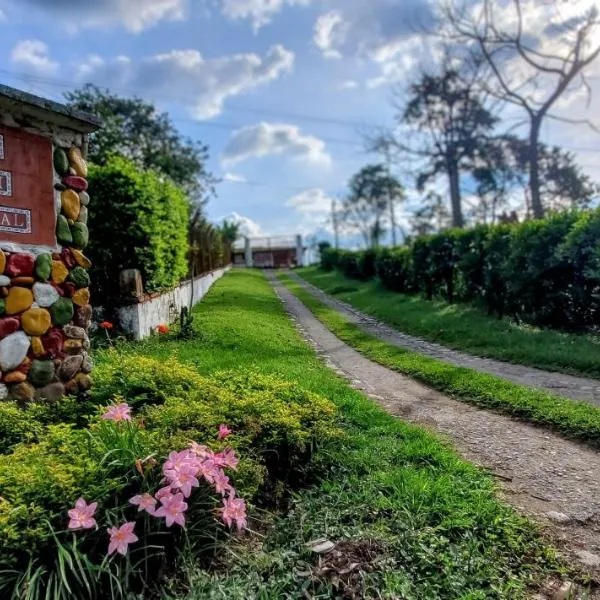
23	281
69	203
45	294
3	391
13	350
80	277
68	288
78	164
80	235
59	271
2	261
86	343
71	387
84	381
20	264
18	300
70	367
83	215
61	162
72	346
23	392
4	280
37	346
14	377
83	316
50	393
87	364
63	231
62	311
80	259
2	302
8	325
43	266
41	372
53	342
84	198
67	257
72	331
82	297
75	182
36	321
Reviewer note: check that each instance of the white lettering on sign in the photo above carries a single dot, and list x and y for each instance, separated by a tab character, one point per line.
5	183
16	220
1	147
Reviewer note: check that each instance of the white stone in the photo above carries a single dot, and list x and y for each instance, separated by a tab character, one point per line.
3	391
84	198
4	280
587	558
321	546
558	517
45	295
13	350
83	215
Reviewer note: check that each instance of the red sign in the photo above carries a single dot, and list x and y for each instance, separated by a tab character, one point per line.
27	211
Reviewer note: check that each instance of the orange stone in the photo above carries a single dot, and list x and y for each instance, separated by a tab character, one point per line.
2	261
82	261
81	297
72	346
36	321
37	346
59	271
18	300
77	162
84	381
15	377
71	387
70	204
24	281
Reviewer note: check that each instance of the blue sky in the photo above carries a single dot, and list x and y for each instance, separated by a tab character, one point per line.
281	90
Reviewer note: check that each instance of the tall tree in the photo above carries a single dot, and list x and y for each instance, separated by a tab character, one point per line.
535	55
134	129
366	208
230	231
432	216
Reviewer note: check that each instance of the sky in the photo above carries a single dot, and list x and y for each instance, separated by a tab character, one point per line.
282	91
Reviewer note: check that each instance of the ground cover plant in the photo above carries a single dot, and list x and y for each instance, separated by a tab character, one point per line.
464	327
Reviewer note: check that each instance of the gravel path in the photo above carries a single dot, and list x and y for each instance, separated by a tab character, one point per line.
553	480
576	388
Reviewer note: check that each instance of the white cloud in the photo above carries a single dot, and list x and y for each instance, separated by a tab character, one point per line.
312	201
248	227
259	12
3	17
350	84
32	56
329	32
135	15
202	84
234	178
267	139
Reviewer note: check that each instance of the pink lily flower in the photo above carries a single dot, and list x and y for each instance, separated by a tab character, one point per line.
164	492
201	451
222	485
183	479
121	537
172	509
82	516
224	431
234	510
227	459
117	412
144	502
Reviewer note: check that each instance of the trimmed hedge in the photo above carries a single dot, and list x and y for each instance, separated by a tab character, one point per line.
140	221
545	272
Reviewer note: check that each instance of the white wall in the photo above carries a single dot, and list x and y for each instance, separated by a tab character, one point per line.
141	319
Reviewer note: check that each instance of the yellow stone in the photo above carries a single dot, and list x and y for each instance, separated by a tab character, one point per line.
72	345
70	204
84	381
36	321
77	162
59	271
81	297
80	259
18	300
37	346
15	377
2	261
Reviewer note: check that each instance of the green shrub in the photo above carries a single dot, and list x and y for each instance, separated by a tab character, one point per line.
140	221
329	258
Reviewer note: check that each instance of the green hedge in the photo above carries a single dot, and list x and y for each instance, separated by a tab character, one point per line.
139	221
545	271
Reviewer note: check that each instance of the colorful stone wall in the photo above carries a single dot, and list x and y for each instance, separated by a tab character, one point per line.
45	299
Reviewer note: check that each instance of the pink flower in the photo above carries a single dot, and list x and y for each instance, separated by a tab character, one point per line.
226	459
200	450
118	412
144	502
183	479
224	431
234	509
82	516
121	537
208	470
164	492
221	482
172	509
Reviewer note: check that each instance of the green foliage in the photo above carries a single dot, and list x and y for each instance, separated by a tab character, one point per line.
139	221
545	272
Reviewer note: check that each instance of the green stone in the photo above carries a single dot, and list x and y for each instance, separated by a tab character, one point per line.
61	161
2	306
62	311
63	231
79	277
41	372
43	267
80	235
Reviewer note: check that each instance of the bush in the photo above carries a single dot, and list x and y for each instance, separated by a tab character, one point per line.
140	221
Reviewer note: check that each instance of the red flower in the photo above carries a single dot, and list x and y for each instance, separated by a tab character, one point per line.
163	329
106	325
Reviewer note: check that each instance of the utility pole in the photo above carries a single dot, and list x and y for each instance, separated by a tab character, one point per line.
334	218
388	161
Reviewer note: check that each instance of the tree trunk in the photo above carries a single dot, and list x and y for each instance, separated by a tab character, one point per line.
534	170
455	200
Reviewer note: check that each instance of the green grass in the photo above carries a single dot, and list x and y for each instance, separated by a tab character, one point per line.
464	327
440	531
577	420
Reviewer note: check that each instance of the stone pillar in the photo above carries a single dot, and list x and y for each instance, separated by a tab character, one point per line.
45	306
248	252
299	251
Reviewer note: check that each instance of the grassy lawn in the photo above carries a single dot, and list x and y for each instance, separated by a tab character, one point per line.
422	522
464	327
578	420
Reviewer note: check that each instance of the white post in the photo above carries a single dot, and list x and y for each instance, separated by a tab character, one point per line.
299	251
248	253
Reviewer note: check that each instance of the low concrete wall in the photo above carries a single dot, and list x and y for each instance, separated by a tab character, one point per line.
142	318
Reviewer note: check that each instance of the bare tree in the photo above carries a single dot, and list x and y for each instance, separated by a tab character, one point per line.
532	67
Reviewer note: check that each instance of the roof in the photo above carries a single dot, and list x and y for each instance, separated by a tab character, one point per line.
48	110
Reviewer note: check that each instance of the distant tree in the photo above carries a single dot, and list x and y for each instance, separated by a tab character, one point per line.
323	246
230	231
134	129
431	217
372	192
